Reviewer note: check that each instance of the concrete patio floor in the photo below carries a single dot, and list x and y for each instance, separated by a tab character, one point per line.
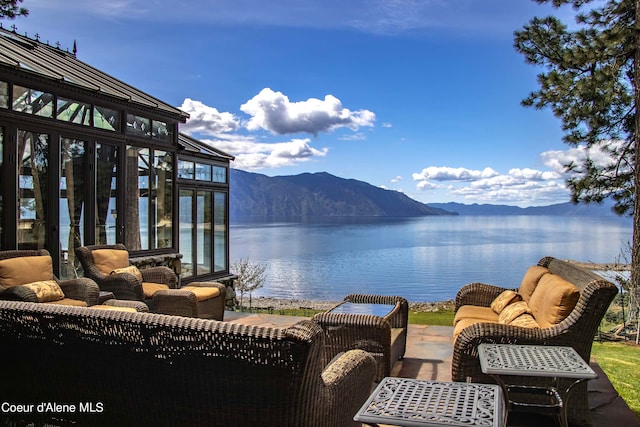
428	356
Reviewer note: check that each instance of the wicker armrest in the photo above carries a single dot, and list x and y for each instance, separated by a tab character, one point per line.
123	286
82	289
478	294
160	274
138	305
348	381
19	293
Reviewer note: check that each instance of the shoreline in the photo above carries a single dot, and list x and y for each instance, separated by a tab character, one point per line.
295	304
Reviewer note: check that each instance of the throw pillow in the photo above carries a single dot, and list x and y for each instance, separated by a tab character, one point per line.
46	290
504	299
530	281
132	269
512	311
525	320
553	300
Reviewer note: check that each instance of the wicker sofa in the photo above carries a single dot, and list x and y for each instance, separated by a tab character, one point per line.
122	368
576	327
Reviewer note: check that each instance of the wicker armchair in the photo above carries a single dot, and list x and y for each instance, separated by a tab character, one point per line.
385	338
577	330
174	371
80	291
124	285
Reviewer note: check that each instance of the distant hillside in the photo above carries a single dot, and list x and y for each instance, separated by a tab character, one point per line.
562	209
317	194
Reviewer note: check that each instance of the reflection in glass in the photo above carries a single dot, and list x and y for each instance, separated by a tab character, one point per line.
32	189
161	131
138	126
72	196
220	232
106	118
186	232
106	191
136	230
185	170
32	101
220	174
163	198
204	222
203	172
4	95
74	111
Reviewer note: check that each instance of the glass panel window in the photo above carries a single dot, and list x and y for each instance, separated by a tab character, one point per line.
163	199
186	232
136	234
73	164
186	170
1	172
32	101
138	126
106	192
74	111
106	118
204	231
220	232
203	172
161	131
4	95
33	164
220	174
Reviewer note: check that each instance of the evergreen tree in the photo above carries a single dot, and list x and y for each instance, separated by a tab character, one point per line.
589	82
10	9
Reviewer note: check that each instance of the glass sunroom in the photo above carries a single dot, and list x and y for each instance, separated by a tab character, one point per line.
87	159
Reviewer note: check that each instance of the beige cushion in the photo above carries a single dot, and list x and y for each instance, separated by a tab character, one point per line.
46	290
69	301
504	299
116	308
530	281
148	288
132	269
553	300
20	270
475	312
463	323
525	320
108	260
512	311
203	293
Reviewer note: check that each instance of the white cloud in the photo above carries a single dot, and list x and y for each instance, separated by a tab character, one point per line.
397	179
252	155
272	111
207	120
440	173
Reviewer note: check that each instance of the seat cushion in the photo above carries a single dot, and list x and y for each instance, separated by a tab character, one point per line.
553	300
20	270
132	269
148	288
108	260
114	308
69	301
504	299
203	293
485	314
463	323
46	290
530	281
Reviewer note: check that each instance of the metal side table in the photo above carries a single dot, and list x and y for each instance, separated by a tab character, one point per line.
423	403
500	360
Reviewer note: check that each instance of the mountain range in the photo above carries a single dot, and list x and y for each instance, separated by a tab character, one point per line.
323	194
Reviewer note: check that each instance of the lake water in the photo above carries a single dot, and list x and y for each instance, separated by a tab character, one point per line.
423	259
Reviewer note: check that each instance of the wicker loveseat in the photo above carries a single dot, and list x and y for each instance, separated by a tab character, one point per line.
576	327
120	368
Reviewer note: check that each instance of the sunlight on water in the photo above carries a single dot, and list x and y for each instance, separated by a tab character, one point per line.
422	259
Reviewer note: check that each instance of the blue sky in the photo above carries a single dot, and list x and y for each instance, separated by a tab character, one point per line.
419	96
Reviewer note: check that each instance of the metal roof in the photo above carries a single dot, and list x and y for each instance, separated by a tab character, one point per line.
52	63
193	145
